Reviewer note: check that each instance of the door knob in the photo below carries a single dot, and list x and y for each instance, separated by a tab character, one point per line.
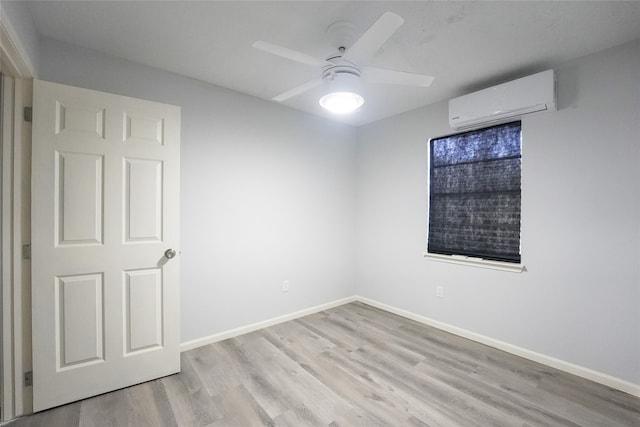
169	253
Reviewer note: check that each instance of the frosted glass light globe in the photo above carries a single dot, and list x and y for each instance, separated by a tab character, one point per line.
341	102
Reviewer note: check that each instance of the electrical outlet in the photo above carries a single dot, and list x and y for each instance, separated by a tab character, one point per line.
440	291
285	286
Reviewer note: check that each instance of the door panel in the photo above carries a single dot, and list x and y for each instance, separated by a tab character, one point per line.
78	198
140	128
143	301
80	329
105	209
143	200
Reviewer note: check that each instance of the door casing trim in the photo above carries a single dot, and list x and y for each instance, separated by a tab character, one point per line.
16	335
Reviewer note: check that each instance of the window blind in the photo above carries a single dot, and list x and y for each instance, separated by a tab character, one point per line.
474	193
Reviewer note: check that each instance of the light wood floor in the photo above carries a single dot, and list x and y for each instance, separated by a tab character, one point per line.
352	366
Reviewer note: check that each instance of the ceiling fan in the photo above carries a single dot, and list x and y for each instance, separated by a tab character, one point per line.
342	72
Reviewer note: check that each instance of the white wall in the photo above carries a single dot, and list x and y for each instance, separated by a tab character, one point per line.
268	194
579	300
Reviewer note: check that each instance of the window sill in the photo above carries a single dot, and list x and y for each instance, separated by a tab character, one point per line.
476	262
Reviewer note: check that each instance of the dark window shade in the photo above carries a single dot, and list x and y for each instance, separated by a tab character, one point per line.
474	197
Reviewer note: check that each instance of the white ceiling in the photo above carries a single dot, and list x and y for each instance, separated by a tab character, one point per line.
465	45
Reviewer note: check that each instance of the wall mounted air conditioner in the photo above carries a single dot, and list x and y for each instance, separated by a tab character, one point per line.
501	103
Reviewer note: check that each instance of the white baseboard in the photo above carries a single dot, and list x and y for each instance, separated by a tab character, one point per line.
595	376
199	342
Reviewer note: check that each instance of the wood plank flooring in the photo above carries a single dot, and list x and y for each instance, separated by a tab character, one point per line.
352	366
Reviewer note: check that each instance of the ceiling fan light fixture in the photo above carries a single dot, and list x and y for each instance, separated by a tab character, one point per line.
341	102
341	88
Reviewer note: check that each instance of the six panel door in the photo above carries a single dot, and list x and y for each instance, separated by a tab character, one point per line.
105	208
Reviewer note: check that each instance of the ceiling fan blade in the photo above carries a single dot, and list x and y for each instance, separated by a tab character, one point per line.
287	53
379	75
297	90
369	43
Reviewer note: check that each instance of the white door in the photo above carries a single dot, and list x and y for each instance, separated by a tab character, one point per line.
105	208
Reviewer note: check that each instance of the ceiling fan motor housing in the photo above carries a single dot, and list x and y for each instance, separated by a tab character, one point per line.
340	75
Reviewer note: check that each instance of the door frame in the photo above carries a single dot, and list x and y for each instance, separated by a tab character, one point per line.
15	349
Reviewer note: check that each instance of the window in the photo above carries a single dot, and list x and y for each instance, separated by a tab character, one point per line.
474	194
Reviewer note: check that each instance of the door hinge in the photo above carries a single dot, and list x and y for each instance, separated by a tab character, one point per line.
28	378
26	251
28	114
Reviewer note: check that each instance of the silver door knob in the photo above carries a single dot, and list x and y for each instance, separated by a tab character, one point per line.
169	253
